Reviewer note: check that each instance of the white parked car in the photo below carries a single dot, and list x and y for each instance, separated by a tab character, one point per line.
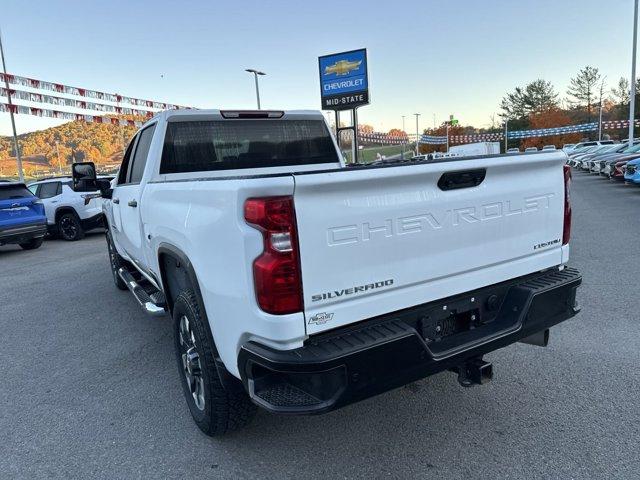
549	147
530	150
513	150
300	286
70	211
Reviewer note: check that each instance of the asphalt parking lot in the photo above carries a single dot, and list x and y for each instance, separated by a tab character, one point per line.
89	387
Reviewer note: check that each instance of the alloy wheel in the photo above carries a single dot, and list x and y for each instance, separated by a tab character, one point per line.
68	227
191	365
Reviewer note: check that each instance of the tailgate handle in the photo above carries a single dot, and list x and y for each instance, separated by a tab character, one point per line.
461	179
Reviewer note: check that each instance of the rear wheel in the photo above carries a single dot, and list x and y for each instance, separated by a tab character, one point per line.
69	227
216	408
115	262
32	244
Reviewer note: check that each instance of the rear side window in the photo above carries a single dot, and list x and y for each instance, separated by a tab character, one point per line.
50	189
14	191
124	166
140	157
237	144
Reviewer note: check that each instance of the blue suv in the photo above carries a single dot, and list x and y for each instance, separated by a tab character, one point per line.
22	217
632	171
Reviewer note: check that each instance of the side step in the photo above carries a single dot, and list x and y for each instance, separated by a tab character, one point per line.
153	304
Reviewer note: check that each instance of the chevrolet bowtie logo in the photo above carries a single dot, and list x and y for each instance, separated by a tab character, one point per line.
342	67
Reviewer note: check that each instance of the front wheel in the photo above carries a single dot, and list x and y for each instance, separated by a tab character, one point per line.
32	244
215	409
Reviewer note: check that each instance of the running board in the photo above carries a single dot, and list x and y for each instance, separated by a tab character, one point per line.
153	304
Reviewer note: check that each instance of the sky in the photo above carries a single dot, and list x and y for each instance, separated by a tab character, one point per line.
431	57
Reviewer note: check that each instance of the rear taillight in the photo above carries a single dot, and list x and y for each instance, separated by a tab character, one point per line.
276	271
566	232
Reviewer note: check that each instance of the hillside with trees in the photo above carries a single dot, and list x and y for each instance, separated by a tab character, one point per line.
52	150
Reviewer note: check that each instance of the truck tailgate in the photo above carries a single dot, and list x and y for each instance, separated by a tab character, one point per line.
377	240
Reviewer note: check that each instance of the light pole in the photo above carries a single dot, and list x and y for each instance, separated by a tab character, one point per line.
402	140
632	100
447	136
255	74
58	153
417	135
506	132
600	117
13	122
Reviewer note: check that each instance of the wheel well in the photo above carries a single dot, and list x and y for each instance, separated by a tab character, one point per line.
174	277
62	210
177	274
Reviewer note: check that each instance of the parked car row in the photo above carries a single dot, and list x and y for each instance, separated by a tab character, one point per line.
532	149
619	161
54	206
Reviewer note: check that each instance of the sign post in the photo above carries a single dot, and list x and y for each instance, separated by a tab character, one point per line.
344	85
451	123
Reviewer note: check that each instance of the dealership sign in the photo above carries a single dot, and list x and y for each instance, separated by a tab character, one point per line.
343	80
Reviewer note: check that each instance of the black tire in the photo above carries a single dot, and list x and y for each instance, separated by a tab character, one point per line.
69	227
115	262
32	244
221	409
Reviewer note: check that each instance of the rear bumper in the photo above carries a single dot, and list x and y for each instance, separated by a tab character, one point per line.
22	233
352	363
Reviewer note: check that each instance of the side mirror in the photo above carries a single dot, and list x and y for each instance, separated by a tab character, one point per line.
104	186
84	176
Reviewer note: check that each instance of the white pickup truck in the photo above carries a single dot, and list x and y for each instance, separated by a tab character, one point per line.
300	285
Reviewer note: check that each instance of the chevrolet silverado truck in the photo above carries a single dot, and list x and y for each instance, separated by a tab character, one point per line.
300	285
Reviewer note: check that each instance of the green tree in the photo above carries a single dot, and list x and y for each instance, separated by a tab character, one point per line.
536	96
513	104
539	96
621	96
583	90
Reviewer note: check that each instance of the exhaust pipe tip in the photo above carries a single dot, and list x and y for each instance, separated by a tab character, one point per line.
539	339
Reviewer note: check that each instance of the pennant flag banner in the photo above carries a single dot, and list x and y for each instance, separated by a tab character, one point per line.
546	132
84	92
615	124
433	140
72	103
42	112
480	137
376	137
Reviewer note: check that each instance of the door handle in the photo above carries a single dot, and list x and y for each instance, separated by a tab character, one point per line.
132	203
116	201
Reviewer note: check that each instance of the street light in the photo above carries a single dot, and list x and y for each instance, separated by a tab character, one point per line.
255	74
417	134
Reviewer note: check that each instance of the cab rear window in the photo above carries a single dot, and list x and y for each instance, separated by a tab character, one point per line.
196	146
9	192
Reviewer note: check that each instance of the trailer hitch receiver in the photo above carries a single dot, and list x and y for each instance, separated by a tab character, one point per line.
474	372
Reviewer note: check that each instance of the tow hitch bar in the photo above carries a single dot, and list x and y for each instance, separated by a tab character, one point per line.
474	372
